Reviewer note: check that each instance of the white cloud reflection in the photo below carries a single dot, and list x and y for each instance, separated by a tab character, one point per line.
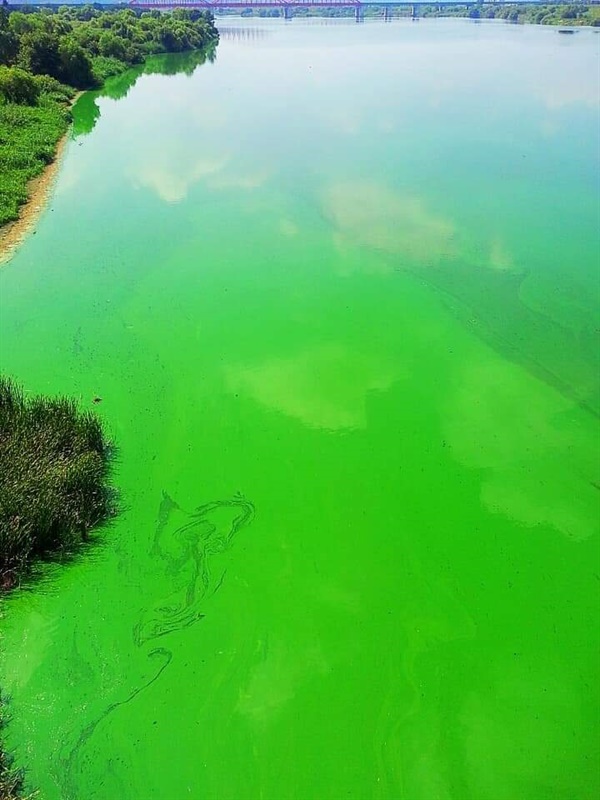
367	214
171	179
536	465
323	387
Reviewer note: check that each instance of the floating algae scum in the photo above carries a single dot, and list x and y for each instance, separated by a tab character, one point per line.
186	555
193	545
338	292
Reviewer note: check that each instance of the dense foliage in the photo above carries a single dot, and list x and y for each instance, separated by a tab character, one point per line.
53	478
78	45
574	14
46	54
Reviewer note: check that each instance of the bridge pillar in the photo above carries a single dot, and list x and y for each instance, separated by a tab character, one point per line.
414	12
387	13
287	12
358	14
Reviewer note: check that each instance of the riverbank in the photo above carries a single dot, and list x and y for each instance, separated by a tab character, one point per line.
39	189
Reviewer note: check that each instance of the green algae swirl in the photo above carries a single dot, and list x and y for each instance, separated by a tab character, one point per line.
186	554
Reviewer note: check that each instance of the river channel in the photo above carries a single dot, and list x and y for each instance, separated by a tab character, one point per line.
337	291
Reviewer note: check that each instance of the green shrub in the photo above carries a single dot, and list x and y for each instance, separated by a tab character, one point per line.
106	66
75	64
18	86
53	89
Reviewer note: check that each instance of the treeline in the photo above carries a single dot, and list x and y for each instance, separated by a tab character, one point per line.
551	14
81	46
47	54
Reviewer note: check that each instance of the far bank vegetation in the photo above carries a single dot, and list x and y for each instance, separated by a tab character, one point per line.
533	13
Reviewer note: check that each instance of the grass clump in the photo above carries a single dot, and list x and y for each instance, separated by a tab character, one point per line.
53	478
28	137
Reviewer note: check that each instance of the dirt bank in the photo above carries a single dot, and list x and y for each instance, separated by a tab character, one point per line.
38	190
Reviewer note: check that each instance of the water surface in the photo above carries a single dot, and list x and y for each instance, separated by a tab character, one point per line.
338	291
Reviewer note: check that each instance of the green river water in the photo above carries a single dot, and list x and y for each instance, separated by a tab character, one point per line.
338	290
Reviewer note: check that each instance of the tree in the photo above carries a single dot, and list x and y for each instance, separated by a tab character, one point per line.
39	53
20	23
570	12
87	12
111	45
18	86
75	65
9	45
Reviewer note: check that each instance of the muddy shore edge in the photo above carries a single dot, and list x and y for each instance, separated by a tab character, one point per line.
39	190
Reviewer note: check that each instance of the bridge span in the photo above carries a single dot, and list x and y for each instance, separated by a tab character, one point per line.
287	6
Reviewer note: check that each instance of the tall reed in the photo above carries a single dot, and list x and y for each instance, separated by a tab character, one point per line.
54	462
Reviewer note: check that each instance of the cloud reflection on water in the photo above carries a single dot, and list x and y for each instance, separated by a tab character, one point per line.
368	214
171	176
371	215
536	467
324	387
